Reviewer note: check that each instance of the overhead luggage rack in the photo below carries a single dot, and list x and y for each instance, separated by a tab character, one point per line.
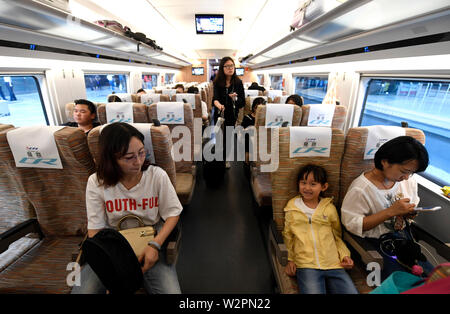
357	24
39	24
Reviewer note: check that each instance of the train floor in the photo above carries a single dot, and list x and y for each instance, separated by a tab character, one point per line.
224	238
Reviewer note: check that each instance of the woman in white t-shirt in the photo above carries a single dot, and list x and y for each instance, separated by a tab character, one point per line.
125	183
378	201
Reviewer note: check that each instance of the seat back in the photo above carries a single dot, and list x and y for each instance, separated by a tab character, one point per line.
162	148
15	206
260	121
139	113
284	179
138	98
197	111
353	162
182	166
340	113
58	195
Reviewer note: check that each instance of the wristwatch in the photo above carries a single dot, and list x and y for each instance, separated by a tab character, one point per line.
155	245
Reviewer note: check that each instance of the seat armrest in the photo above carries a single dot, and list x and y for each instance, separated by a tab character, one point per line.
277	243
364	248
19	231
173	245
441	248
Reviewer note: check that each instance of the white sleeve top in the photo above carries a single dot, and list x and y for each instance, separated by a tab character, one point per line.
154	197
363	199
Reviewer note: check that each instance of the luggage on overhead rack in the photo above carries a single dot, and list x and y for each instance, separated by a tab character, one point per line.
112	25
311	9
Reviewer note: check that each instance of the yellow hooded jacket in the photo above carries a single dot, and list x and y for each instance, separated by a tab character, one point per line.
314	243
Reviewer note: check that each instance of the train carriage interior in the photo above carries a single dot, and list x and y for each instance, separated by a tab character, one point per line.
378	64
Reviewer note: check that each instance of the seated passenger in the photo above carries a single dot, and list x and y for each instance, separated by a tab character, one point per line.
317	255
194	90
295	100
255	86
378	201
85	116
114	98
179	88
141	91
249	119
123	173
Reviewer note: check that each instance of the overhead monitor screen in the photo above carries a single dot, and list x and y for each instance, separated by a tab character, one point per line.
239	71
197	71
209	23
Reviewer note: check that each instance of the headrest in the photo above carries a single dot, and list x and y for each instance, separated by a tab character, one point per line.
251	92
125	97
169	92
321	115
281	99
35	147
378	135
190	98
277	114
272	93
113	260
170	112
119	112
310	142
149	99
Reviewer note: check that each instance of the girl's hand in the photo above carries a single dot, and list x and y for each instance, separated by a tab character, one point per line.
347	262
290	269
150	256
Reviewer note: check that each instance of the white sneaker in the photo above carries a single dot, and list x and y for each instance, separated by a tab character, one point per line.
227	165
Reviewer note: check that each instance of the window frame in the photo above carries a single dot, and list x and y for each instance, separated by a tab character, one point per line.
425	180
325	75
40	80
270	79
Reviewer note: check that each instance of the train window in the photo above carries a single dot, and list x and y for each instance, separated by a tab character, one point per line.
99	86
260	78
423	104
168	78
21	101
149	81
312	88
276	82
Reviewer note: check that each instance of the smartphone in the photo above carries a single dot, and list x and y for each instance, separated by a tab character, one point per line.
422	209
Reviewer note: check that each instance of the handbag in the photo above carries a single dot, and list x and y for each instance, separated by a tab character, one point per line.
138	237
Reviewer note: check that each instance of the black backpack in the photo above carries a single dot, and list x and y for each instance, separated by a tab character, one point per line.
111	257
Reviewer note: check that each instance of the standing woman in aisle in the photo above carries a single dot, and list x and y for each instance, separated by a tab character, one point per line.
228	97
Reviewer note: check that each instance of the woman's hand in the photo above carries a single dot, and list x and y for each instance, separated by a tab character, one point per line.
402	207
290	269
219	106
150	256
347	262
233	96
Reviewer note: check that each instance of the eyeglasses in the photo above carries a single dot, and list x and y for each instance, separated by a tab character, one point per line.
228	66
141	155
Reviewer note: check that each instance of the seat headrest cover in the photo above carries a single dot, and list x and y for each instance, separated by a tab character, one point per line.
321	115
170	112
310	141
119	112
114	262
276	114
378	135
35	147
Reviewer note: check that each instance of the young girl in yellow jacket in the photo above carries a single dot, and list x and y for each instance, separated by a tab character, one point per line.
312	234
